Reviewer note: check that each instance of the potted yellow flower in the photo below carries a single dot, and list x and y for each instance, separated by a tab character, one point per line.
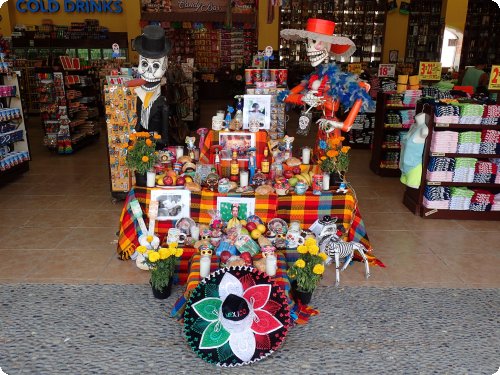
307	271
142	155
162	266
336	159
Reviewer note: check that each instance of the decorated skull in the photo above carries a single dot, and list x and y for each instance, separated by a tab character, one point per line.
212	181
317	51
151	70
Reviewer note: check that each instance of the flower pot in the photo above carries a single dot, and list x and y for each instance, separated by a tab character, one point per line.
162	294
141	179
336	179
299	296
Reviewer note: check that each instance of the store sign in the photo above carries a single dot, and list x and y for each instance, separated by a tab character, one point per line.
354	68
429	71
494	78
69	6
386	70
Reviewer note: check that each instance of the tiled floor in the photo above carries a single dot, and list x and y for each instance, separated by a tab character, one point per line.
58	225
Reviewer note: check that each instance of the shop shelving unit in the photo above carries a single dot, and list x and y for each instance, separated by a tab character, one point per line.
482	33
425	31
14	146
381	148
362	131
362	21
413	198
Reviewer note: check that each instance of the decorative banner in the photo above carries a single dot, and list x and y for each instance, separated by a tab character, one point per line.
354	68
199	6
429	71
386	70
494	78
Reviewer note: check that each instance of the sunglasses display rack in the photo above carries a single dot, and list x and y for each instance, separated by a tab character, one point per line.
361	21
482	33
14	146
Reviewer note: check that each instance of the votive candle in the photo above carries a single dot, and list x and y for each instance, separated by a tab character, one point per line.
205	262
271	264
326	181
306	155
244	178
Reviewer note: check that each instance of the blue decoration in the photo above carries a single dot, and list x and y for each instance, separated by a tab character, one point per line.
322	145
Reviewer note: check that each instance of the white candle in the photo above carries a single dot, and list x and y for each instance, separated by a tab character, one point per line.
179	152
244	178
195	232
205	266
217	123
306	155
150	179
326	181
220	114
271	263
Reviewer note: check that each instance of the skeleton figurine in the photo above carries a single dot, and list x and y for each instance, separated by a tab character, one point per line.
152	107
116	50
190	146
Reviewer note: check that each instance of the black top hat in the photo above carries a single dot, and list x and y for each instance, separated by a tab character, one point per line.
152	43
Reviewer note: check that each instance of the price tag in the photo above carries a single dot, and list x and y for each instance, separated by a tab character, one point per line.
438	125
354	68
437	154
494	78
431	212
387	70
429	71
433	183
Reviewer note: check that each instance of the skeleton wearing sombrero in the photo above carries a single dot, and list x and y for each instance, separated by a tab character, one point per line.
327	87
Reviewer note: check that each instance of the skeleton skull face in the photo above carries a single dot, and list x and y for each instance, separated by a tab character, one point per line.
268	51
151	70
317	51
303	122
115	47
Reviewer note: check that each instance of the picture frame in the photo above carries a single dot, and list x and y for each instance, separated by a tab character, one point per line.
239	141
393	56
257	106
249	202
174	204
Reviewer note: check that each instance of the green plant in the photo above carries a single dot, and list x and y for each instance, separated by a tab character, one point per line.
336	158
141	153
308	269
161	263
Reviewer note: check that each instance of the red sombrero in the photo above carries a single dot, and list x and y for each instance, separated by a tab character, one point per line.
323	30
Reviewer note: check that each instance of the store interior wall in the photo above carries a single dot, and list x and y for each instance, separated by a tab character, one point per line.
268	33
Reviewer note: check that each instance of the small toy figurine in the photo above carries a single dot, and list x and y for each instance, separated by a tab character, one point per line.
190	146
288	146
342	188
215	151
252	163
227	119
202	132
116	51
237	122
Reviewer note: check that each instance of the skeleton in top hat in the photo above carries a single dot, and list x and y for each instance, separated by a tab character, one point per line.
152	107
327	87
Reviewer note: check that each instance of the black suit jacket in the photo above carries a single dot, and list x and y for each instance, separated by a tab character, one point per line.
158	120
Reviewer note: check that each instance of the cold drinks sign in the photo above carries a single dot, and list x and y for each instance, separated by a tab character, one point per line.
69	6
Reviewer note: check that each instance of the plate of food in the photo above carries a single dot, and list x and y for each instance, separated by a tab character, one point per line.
277	225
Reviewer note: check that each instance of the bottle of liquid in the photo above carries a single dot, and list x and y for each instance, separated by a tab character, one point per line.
265	162
235	168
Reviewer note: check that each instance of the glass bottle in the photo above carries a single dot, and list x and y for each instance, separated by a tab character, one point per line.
265	162
235	168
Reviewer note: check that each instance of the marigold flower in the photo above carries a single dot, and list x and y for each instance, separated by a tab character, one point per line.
319	269
154	257
313	249
157	136
132	136
302	249
141	249
310	241
323	158
342	138
323	256
164	253
178	253
300	263
145	159
330	153
345	149
149	142
130	148
172	245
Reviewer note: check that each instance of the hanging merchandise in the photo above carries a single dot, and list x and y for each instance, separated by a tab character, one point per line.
305	121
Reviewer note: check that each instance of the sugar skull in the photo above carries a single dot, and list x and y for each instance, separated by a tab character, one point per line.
151	70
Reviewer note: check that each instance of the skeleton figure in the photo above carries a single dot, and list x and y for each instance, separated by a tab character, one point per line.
152	108
116	50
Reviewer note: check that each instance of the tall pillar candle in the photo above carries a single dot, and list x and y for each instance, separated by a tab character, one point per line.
179	152
271	264
326	181
306	155
150	179
244	178
205	266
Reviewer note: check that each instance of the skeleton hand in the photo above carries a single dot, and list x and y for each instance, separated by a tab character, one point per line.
329	125
311	99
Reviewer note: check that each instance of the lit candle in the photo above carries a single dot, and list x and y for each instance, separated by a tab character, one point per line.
244	178
306	155
205	261
179	152
326	181
271	263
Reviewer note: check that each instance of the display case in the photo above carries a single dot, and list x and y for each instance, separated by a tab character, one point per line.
14	145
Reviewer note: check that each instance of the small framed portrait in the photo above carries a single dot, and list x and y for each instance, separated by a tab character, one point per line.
257	108
172	204
393	56
239	141
225	205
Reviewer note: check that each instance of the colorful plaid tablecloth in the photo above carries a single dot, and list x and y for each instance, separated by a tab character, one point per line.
306	209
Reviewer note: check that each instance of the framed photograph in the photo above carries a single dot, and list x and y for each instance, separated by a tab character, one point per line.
393	56
239	141
172	204
257	107
225	205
